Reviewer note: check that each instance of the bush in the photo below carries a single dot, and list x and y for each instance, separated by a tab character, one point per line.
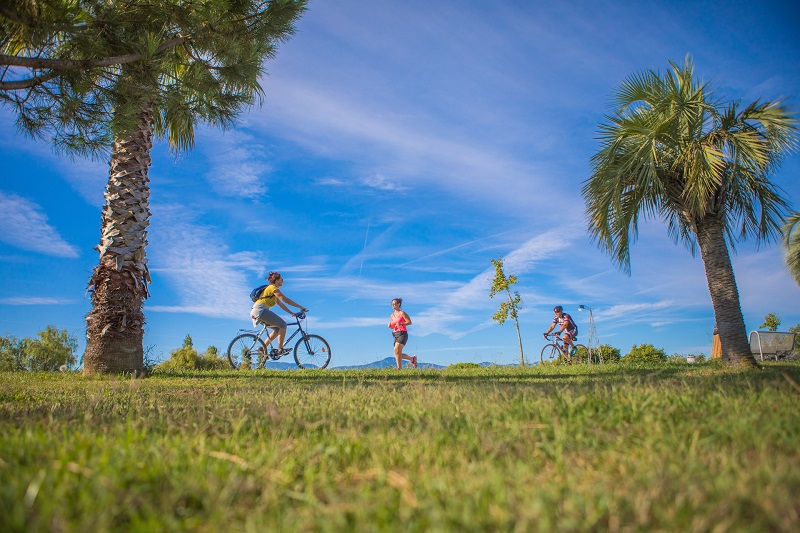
609	353
645	353
455	366
187	358
53	350
681	358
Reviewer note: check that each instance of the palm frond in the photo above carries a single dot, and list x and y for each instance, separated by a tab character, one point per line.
669	150
791	242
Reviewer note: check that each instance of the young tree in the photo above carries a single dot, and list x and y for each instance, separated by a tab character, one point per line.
157	68
671	151
510	307
771	322
52	350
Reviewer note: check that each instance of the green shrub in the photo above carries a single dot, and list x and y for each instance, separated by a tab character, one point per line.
645	353
187	358
609	353
211	360
681	358
464	365
52	350
11	357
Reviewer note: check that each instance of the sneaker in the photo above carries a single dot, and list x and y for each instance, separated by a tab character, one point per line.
414	361
286	351
573	352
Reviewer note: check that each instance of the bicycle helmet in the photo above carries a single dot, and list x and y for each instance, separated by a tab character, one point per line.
558	309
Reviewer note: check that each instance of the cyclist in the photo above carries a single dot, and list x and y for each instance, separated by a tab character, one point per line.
260	313
568	328
398	323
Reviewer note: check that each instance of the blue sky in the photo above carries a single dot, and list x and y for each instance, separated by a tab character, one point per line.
400	148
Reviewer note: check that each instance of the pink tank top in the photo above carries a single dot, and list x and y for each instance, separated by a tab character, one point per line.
398	322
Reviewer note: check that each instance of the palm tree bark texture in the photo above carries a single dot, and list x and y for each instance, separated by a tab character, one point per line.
115	325
723	290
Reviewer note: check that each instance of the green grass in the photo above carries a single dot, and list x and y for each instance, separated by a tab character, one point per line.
669	447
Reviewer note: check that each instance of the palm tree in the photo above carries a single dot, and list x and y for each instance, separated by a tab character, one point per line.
791	232
671	151
157	68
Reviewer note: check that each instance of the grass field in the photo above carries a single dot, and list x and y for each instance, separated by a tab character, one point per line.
672	447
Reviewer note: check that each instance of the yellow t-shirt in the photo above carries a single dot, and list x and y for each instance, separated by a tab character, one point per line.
268	297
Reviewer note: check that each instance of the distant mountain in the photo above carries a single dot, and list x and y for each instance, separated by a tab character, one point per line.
279	365
389	362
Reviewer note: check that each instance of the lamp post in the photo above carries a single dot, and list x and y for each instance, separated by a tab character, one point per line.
593	344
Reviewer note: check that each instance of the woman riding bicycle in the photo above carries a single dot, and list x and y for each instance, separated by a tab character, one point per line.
261	314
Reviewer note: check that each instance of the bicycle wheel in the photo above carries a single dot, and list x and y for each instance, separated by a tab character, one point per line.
581	354
247	351
312	352
550	353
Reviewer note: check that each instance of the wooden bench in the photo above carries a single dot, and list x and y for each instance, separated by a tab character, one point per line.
777	344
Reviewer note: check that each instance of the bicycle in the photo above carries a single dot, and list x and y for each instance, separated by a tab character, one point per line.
311	351
558	351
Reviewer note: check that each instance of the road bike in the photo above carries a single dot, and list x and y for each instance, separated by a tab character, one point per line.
559	352
249	349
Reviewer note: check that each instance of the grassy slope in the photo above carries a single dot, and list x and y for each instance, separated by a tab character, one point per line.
672	447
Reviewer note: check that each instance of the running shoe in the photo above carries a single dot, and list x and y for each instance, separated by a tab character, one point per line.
414	361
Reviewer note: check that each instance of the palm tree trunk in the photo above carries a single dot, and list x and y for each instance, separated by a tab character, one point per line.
724	294
115	325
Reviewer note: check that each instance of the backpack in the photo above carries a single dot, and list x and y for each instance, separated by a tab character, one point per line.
257	292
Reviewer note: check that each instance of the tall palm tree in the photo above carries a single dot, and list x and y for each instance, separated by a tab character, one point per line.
210	79
157	68
791	241
671	151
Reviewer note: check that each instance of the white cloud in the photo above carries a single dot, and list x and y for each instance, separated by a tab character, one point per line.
209	279
411	145
26	300
26	226
331	182
380	182
238	164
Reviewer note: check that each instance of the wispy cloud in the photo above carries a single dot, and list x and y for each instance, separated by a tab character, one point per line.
210	280
449	306
238	164
408	144
26	300
26	226
87	176
382	183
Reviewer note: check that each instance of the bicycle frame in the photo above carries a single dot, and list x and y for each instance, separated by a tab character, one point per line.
263	335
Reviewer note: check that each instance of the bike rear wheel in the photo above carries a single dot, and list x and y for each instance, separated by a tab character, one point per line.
312	352
247	351
581	354
550	353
